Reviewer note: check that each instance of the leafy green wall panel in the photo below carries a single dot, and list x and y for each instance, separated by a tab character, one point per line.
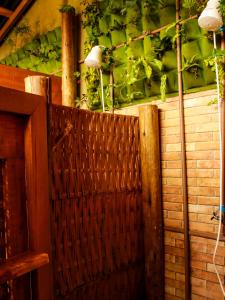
120	21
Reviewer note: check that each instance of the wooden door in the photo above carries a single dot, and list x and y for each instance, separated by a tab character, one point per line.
25	248
13	202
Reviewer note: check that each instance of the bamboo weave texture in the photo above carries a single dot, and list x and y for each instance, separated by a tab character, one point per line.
96	206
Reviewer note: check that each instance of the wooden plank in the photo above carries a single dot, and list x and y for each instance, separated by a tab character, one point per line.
13	78
5	12
152	202
14	17
22	264
36	166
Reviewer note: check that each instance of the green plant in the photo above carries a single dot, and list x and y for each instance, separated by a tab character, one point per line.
217	56
66	8
222	8
90	21
194	6
92	79
192	65
163	87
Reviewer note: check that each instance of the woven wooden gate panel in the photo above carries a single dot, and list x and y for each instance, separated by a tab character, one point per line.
97	225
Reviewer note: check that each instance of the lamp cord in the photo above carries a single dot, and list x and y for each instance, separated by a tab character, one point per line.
102	91
220	141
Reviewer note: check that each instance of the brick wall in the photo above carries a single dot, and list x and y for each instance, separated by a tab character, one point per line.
202	146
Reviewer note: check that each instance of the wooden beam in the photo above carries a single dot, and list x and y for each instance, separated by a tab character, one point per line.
5	12
22	264
13	18
152	202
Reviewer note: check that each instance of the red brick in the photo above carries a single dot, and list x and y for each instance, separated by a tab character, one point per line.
172	190
171	156
203	155
208	164
209	276
198	264
171	173
172	198
208	182
174	250
173	223
174	181
174	267
198	282
170	274
199	137
202	227
174	164
180	293
202	191
180	277
172	206
175	215
174	283
206	146
208	200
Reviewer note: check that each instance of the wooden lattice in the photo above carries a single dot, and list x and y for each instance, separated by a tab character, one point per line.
97	227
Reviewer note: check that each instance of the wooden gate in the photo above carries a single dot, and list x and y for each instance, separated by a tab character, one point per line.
97	220
24	206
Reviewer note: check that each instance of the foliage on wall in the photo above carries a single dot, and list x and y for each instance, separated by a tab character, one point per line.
147	67
42	54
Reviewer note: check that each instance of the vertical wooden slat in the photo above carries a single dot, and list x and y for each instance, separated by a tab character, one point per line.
152	205
36	161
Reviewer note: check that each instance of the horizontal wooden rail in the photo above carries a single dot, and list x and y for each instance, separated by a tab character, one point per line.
5	12
22	264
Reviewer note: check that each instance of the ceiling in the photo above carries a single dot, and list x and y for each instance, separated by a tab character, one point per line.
10	13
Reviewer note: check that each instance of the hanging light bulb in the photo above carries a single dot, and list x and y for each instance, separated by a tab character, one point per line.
94	58
210	19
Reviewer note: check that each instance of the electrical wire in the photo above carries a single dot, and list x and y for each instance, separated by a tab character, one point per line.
102	91
220	141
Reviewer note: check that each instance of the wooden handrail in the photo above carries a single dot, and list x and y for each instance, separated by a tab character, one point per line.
22	264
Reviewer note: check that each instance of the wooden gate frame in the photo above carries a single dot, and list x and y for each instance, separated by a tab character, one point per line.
36	172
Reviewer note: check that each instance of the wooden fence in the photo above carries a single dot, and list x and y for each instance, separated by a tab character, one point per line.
105	219
97	221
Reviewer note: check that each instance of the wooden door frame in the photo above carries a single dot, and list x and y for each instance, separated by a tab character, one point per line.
36	175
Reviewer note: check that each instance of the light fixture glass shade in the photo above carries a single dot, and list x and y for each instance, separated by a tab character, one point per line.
94	58
210	19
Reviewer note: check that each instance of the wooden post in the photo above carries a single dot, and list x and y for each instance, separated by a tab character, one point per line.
36	162
38	85
152	203
187	249
69	58
223	138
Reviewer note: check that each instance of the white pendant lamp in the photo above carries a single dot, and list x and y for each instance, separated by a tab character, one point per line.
94	60
210	19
